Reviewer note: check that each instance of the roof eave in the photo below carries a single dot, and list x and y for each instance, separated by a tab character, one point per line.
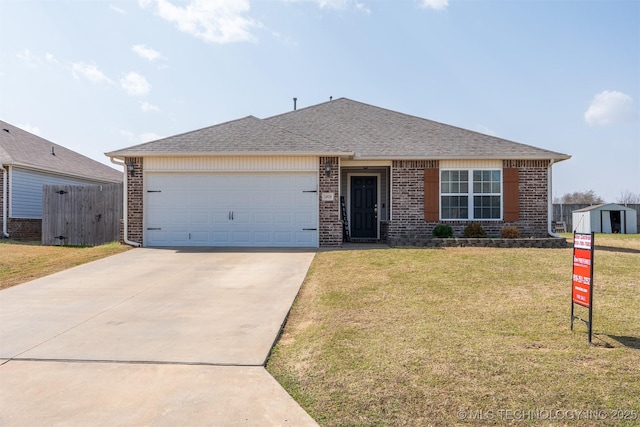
555	158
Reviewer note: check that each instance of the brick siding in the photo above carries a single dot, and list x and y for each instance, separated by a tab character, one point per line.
330	224
135	200
1	197
25	228
408	201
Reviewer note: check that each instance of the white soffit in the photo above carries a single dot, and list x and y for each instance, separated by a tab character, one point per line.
231	164
476	164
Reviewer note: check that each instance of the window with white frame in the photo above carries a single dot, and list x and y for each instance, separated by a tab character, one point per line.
470	194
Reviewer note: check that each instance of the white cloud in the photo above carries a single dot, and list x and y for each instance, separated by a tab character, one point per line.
220	21
139	139
486	130
145	106
49	57
146	52
29	58
336	4
117	9
363	8
135	84
149	136
31	129
434	4
610	107
90	72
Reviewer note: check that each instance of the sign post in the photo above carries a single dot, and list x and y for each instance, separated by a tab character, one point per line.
582	278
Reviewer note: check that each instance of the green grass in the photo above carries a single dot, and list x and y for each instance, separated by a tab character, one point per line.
413	336
24	261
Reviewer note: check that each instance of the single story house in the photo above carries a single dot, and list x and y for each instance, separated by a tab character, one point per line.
27	162
605	218
319	175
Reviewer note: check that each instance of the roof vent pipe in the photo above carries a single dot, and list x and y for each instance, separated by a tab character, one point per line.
294	103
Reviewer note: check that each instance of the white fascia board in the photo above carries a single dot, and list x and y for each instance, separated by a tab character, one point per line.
231	153
556	159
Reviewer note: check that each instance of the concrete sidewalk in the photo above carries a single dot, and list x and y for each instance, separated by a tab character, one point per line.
151	337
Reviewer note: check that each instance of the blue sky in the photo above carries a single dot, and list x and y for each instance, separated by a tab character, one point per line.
95	76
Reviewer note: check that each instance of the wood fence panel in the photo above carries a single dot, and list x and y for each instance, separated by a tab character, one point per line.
81	215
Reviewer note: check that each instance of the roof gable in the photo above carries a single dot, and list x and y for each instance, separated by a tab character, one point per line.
21	148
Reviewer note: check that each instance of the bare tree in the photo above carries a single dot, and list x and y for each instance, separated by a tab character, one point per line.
582	197
626	197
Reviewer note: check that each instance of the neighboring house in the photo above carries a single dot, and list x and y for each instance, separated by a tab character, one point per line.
606	218
27	162
280	181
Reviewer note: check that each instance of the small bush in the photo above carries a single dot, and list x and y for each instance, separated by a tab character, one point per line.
509	232
443	231
474	230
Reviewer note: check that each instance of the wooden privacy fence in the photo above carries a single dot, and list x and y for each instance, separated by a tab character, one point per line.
81	215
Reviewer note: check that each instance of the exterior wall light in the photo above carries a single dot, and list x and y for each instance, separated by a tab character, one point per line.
131	168
327	168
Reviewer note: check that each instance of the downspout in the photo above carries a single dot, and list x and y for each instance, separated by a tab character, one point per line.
4	202
125	221
550	202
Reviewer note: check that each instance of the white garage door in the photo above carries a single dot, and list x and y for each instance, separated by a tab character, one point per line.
231	209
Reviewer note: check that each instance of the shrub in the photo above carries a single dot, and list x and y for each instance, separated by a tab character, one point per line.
443	231
474	230
509	232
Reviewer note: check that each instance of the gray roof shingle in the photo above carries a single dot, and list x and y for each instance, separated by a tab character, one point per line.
341	127
248	135
21	148
374	132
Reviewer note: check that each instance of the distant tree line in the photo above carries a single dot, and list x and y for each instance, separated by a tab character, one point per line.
591	198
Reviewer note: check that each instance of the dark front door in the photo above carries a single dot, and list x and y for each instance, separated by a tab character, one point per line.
364	206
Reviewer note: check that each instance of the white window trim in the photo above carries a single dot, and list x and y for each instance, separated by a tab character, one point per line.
470	194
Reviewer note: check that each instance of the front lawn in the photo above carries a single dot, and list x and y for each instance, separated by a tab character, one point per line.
470	336
24	261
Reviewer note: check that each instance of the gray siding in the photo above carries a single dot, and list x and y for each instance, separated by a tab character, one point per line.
26	190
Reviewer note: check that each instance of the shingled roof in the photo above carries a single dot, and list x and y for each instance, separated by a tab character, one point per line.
374	132
21	148
341	127
238	137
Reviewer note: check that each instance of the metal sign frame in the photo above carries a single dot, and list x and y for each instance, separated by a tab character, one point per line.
582	277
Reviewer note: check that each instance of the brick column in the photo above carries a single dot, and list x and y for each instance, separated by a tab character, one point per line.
330	224
135	200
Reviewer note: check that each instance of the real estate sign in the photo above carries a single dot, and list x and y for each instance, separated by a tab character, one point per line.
582	277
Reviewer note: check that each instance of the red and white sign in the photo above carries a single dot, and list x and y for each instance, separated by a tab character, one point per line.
582	271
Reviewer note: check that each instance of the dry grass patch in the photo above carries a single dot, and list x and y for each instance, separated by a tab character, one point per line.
24	261
412	336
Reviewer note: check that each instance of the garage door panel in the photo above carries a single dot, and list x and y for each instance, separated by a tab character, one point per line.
221	238
227	209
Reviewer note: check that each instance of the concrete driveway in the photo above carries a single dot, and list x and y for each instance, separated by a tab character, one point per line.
151	337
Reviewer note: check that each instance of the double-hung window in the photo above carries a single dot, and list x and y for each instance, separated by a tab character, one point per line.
471	194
